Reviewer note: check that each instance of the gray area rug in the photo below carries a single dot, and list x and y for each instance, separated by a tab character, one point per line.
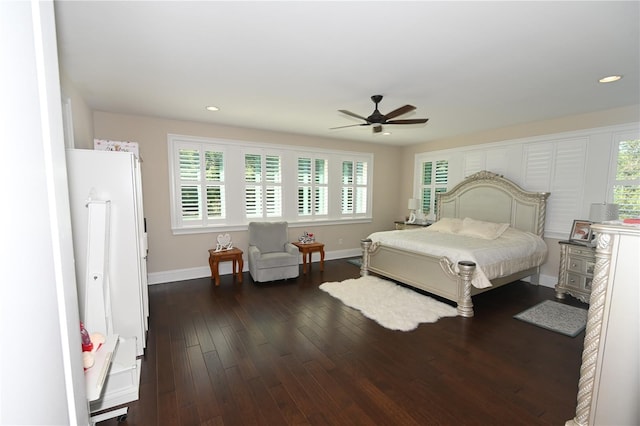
389	304
555	316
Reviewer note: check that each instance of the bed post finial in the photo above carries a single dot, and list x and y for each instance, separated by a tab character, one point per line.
366	245
465	305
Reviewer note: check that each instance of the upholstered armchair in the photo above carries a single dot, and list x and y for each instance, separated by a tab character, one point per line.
271	256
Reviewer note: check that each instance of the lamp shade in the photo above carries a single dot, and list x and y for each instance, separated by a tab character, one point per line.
602	212
413	204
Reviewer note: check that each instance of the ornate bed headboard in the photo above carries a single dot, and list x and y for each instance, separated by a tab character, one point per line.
490	197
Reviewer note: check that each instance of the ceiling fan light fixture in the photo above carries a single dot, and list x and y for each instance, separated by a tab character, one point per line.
610	78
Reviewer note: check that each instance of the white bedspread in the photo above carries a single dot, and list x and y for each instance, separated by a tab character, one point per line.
512	252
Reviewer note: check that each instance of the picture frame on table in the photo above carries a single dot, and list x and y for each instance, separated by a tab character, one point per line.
581	232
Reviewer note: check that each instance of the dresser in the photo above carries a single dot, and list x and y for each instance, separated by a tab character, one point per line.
576	270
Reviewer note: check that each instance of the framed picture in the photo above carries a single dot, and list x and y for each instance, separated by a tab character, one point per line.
581	231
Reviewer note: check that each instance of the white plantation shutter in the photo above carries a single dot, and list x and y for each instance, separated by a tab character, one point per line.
271	182
253	191
347	188
321	181
494	160
214	176
434	179
355	188
313	190
201	184
305	203
559	168
189	166
263	186
361	188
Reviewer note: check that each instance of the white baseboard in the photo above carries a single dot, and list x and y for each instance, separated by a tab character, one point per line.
225	268
545	280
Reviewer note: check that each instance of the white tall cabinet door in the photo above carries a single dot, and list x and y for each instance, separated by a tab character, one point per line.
112	176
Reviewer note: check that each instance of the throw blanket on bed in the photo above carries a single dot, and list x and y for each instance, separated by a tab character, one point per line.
511	252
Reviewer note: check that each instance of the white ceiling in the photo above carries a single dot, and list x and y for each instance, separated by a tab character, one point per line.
290	66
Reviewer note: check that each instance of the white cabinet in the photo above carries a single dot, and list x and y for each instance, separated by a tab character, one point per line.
609	386
113	177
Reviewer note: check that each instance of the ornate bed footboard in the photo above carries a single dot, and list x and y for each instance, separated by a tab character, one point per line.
428	273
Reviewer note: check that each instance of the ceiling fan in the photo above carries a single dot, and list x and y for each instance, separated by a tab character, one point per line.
376	119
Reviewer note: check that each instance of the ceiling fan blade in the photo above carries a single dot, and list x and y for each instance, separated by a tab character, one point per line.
399	111
344	111
377	129
408	121
350	125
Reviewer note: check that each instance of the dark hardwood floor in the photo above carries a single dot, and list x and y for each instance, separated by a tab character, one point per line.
288	353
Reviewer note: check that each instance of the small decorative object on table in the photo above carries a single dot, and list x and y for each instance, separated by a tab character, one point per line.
224	242
306	238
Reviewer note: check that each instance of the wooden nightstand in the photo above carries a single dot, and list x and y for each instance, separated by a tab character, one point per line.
577	262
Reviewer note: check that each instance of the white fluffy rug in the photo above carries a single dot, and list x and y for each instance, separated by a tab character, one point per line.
390	305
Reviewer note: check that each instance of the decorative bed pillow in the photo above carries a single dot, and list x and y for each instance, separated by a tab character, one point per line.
482	229
447	225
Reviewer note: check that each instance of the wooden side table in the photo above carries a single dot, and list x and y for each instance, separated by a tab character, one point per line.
306	249
215	257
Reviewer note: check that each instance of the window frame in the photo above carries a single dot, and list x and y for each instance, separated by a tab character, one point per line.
618	138
234	167
314	186
419	187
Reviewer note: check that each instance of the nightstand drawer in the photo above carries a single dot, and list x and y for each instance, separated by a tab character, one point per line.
580	251
579	282
579	265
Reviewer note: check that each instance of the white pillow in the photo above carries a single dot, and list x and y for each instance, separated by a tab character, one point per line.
448	225
482	229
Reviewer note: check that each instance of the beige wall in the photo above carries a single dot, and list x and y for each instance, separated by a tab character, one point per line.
557	125
168	252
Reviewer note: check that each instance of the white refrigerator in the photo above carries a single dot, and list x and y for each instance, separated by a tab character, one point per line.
113	177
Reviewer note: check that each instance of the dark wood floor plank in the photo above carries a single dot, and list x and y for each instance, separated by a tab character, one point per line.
164	362
243	360
206	402
288	353
248	410
167	410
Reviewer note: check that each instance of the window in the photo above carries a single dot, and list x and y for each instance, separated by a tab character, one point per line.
263	186
223	185
626	183
354	188
200	180
434	178
313	189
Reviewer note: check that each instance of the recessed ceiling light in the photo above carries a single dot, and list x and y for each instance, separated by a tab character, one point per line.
212	108
610	79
